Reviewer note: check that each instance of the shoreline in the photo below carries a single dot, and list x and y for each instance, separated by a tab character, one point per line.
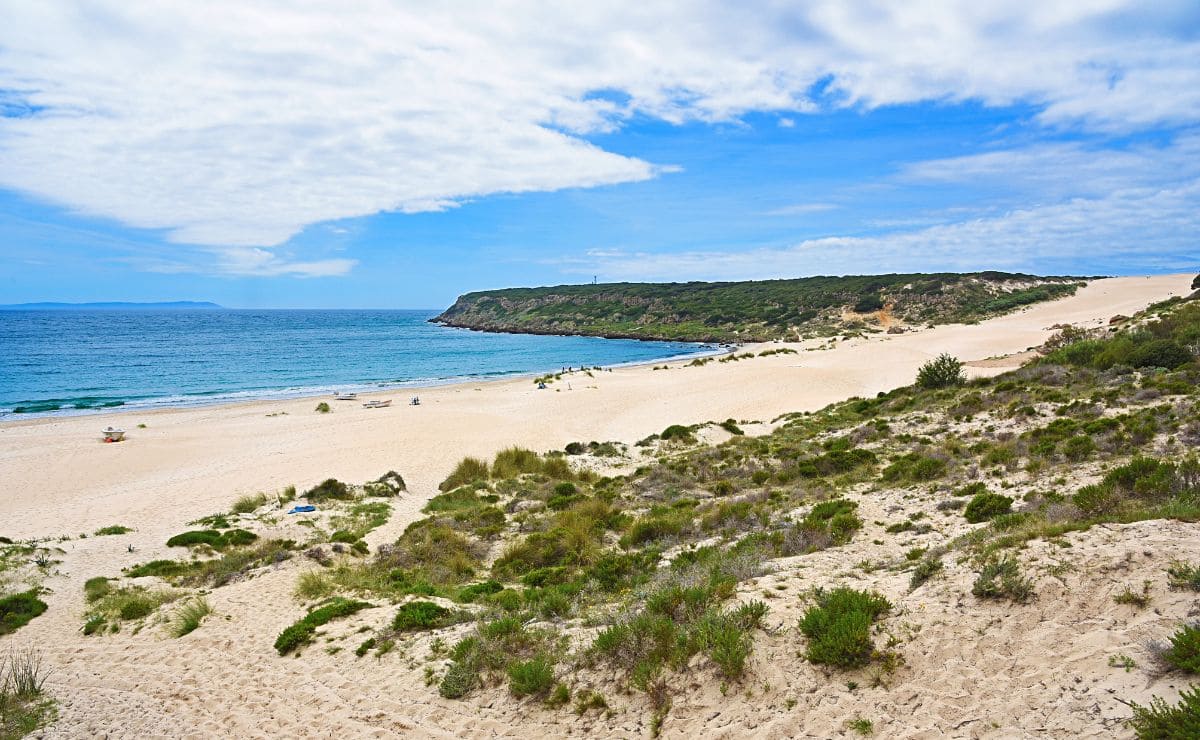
223	399
188	462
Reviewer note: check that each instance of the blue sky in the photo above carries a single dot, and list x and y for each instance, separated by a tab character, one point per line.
262	156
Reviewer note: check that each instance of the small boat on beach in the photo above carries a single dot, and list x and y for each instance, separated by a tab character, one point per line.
377	404
338	396
113	435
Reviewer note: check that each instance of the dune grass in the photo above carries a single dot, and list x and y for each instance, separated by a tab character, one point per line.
189	616
24	707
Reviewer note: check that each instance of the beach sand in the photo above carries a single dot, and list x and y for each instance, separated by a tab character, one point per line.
60	479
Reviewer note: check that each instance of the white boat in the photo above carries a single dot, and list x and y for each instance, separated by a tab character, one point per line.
377	404
113	435
345	396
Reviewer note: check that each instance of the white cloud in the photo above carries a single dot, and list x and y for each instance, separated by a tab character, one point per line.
238	123
801	209
1146	229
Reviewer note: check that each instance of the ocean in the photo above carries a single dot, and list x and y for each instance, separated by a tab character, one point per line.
81	361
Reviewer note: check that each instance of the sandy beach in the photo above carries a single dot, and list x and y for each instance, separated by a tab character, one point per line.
189	462
60	479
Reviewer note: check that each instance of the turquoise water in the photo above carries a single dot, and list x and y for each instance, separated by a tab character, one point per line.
54	362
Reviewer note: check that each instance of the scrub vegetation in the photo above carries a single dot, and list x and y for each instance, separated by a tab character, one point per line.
752	311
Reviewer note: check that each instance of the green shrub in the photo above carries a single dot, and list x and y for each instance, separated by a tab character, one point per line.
18	609
460	678
838	626
212	538
678	432
914	467
1001	578
926	569
1078	448
868	303
160	568
419	615
941	372
114	529
301	632
329	488
136	606
985	506
1184	652
1160	353
530	678
365	647
731	426
656	526
469	594
1184	575
323	408
1160	721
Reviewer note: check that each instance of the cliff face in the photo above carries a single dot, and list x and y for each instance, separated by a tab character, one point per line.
749	311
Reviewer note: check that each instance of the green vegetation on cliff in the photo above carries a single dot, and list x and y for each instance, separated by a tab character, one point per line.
753	310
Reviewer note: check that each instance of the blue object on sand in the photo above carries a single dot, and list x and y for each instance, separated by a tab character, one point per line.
302	509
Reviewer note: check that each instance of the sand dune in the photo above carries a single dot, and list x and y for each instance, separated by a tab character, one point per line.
224	680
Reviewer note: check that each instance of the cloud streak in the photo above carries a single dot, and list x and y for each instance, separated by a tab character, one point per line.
1140	229
238	124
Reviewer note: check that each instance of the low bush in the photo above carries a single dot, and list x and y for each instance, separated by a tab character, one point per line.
914	467
114	529
926	569
682	617
419	615
838	626
18	609
985	506
1160	353
301	632
470	594
679	433
1001	578
1184	650
323	408
330	488
213	538
532	677
125	604
1161	721
941	372
1184	575
460	678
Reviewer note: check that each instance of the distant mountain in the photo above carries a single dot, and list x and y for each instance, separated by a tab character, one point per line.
110	306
